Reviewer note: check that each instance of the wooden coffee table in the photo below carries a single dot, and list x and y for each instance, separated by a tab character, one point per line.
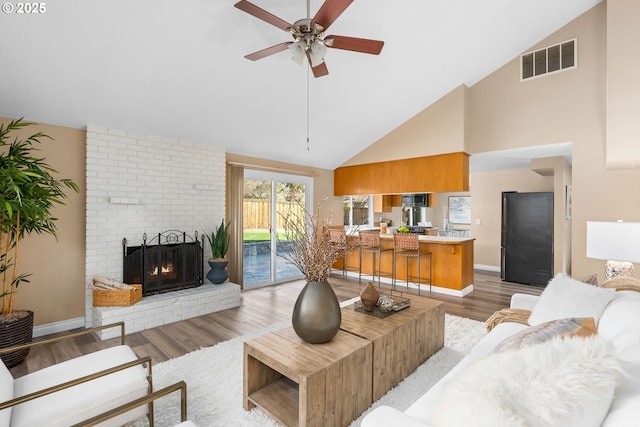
401	341
331	384
303	384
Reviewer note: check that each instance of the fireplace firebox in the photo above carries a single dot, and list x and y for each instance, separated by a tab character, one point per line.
170	261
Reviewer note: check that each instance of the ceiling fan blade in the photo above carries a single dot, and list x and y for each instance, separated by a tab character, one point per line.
259	13
320	70
268	51
355	44
329	12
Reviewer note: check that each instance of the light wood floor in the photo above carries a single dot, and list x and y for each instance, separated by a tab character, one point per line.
260	308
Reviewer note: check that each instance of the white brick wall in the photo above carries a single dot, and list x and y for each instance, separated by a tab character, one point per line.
140	184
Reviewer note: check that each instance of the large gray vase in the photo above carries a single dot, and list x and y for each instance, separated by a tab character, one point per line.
316	315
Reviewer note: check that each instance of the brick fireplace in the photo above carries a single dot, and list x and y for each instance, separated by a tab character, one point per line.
139	184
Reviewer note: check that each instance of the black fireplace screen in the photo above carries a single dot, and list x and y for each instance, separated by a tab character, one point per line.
170	261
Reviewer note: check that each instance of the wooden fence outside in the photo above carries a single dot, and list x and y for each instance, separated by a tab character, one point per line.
257	213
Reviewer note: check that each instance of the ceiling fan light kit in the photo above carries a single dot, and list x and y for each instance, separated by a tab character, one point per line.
308	35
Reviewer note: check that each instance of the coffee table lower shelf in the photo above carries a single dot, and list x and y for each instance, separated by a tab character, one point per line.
308	385
280	399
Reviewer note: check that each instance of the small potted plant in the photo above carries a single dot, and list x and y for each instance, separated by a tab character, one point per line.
219	242
28	193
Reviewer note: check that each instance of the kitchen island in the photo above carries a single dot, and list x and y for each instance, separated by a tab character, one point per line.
451	263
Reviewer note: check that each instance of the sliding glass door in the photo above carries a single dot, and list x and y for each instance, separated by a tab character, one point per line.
267	196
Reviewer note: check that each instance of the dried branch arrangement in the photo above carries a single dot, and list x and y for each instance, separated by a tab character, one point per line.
307	244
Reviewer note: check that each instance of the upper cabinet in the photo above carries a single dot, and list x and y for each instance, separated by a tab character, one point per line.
430	174
384	202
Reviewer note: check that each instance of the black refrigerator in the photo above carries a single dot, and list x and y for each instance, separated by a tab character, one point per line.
527	237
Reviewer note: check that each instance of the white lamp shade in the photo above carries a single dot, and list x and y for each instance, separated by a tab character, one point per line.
298	51
317	52
619	241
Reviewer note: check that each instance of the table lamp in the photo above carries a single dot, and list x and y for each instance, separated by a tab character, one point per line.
617	242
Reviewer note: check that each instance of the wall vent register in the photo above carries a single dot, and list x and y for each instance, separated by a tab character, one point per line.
552	59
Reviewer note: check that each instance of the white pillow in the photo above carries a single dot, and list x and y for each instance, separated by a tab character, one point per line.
566	297
563	382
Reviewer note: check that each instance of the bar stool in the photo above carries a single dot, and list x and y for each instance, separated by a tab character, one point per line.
370	243
338	239
408	246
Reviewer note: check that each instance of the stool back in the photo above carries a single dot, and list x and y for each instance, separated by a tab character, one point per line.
406	241
369	239
338	236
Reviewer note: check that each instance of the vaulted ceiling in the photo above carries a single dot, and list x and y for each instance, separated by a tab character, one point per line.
177	69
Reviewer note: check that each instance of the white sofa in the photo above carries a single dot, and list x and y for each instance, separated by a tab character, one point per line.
472	394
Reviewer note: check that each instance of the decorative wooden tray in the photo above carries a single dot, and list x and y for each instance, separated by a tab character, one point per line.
399	303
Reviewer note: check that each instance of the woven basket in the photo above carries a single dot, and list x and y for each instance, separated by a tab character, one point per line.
117	297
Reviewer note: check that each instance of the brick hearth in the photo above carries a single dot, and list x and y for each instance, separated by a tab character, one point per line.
158	310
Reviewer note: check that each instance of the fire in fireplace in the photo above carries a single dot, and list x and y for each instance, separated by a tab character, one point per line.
170	261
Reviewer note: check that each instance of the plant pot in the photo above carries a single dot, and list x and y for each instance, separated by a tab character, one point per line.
14	332
218	273
316	314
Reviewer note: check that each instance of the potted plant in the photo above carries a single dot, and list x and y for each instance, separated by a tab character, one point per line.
307	244
219	242
28	192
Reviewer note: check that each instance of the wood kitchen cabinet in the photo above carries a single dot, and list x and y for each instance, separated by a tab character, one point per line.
430	174
384	202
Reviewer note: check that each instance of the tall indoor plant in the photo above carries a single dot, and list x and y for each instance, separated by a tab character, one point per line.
307	245
219	242
28	193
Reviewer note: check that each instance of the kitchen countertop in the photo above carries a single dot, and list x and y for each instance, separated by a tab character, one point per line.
422	237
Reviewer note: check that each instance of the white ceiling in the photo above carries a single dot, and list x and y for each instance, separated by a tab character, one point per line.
176	69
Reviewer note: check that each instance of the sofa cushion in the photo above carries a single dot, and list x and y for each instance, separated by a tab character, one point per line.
583	326
78	403
620	324
6	393
562	382
566	297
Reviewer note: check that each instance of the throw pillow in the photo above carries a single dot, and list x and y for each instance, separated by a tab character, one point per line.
517	315
622	284
566	297
582	327
563	382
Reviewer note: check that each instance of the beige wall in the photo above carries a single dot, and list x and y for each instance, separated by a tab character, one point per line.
501	112
438	129
623	85
568	106
56	289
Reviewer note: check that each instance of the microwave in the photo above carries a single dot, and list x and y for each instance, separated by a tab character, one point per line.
415	199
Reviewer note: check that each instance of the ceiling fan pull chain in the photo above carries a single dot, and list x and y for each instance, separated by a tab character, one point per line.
308	103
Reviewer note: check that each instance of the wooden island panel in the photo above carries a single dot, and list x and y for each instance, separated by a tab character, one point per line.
452	262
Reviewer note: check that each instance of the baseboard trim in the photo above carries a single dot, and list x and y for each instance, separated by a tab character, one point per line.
52	328
494	268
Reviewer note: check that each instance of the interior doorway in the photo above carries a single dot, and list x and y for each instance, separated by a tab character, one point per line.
267	196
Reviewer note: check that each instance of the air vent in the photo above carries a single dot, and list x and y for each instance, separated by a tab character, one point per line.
548	60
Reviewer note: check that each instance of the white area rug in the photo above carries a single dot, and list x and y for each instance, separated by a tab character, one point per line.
214	379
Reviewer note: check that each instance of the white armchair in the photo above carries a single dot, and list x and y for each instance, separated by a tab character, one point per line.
180	385
75	390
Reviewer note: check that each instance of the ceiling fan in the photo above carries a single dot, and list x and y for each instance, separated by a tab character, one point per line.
308	35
